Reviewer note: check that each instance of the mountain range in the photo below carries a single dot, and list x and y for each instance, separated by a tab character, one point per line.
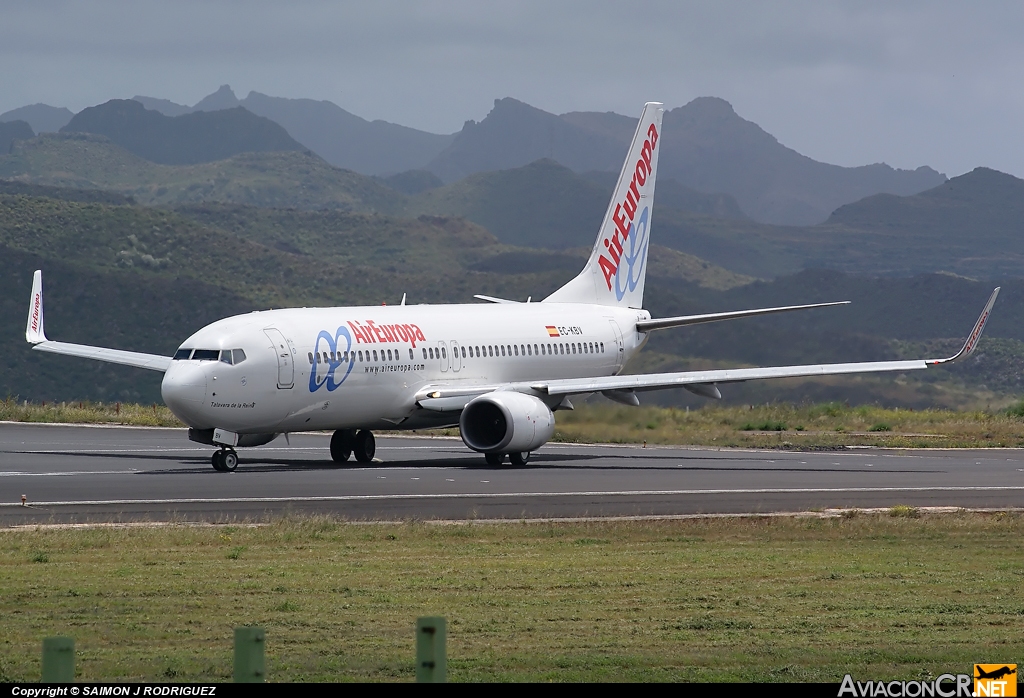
968	225
41	117
182	140
339	137
11	131
707	147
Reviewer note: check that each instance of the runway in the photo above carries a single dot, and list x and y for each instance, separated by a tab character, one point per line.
89	474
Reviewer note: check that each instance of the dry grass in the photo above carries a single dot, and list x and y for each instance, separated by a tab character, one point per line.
12	410
892	595
830	425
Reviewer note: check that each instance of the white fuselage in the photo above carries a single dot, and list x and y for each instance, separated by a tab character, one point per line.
363	367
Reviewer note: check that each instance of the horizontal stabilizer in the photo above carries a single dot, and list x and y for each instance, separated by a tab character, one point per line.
681	321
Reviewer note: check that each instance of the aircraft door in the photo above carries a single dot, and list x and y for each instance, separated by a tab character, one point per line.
442	351
456	359
617	346
285	362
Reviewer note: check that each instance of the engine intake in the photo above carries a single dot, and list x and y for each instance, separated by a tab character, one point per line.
506	422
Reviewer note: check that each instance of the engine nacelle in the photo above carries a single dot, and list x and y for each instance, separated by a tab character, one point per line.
506	422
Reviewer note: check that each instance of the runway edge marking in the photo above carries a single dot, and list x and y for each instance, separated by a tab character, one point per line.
509	495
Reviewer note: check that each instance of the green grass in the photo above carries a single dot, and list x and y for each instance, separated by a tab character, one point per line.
824	425
758	599
827	425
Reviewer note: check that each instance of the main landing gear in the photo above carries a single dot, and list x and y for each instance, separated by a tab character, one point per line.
517	459
225	460
346	442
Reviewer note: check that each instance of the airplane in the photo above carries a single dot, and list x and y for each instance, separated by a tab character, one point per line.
497	370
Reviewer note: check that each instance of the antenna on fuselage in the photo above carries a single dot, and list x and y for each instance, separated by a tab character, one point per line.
403	300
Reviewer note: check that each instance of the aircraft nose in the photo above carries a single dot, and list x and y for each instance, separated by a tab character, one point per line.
184	392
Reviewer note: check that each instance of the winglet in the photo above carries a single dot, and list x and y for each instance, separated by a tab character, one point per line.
34	327
972	339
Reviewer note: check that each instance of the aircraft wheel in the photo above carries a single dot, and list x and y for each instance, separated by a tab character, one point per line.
341	445
519	458
494	458
364	446
229	459
218	461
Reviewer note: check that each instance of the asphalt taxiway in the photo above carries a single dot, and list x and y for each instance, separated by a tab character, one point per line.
89	474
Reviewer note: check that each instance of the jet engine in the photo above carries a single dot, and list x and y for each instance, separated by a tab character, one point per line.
506	422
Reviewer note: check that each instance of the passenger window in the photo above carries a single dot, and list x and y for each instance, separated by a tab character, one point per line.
182	354
389	355
444	353
431	350
424	352
411	355
529	350
503	350
310	358
490	350
225	356
375	355
360	356
602	347
463	351
517	349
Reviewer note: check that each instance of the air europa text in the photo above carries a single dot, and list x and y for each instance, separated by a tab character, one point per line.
627	208
372	333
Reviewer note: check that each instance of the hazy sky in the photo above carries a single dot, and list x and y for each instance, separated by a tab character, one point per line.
908	83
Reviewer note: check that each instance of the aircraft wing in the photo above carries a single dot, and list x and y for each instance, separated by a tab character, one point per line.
659	381
153	362
445	398
35	335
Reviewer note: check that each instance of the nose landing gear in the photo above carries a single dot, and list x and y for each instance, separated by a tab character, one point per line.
225	460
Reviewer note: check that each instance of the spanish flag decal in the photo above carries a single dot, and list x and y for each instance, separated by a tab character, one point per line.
552	331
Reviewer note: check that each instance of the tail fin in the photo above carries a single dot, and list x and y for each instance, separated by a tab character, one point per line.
617	267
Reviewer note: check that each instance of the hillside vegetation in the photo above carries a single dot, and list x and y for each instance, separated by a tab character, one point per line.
284	179
546	205
143	279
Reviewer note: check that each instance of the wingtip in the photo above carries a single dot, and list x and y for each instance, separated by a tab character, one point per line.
34	331
974	337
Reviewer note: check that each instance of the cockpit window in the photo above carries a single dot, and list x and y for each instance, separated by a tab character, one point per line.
239	355
182	354
205	355
225	356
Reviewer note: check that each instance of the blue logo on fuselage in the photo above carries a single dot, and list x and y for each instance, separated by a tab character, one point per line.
634	256
334	354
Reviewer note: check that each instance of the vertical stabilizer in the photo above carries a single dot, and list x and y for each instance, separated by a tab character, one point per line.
617	267
34	328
